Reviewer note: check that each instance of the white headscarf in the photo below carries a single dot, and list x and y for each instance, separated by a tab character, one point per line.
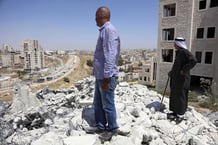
180	41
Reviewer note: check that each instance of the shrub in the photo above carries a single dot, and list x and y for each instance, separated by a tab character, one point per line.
89	63
66	79
207	104
192	97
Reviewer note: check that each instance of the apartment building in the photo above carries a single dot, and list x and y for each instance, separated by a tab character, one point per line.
33	55
196	21
7	55
148	73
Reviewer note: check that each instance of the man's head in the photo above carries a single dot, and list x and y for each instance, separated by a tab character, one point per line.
102	16
180	43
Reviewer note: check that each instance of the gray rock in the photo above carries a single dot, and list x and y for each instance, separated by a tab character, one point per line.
62	115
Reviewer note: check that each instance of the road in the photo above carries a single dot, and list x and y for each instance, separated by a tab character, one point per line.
61	72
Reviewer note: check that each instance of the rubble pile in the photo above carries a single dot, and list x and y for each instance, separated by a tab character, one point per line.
58	117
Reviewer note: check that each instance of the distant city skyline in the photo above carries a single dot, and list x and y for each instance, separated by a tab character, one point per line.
70	25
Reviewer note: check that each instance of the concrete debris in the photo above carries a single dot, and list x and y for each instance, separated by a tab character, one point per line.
59	117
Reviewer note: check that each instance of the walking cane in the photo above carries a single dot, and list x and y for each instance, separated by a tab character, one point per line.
161	103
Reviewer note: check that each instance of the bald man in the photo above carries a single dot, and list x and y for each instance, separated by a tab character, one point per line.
105	70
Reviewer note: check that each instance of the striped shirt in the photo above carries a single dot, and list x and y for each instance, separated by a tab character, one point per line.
107	52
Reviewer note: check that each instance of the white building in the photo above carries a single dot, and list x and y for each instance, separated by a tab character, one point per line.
148	74
7	54
33	55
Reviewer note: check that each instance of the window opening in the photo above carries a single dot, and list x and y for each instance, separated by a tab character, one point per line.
168	34
213	3
167	55
208	57
211	32
147	70
169	10
198	55
202	4
200	33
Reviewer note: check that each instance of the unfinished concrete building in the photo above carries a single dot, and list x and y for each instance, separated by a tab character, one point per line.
33	55
196	21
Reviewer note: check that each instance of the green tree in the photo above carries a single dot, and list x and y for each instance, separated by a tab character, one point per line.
66	79
121	61
89	63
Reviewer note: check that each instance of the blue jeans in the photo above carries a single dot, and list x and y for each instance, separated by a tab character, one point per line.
104	106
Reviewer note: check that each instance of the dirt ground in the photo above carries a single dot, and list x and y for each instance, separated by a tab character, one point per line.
6	95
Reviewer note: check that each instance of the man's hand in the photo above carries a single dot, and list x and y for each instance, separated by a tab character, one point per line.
106	84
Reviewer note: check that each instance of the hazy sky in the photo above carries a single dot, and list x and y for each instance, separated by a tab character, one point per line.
70	24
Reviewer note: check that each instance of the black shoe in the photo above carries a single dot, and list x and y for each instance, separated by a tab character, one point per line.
107	136
93	130
122	133
179	119
171	116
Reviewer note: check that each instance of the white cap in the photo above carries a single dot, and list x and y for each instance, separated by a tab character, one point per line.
180	41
